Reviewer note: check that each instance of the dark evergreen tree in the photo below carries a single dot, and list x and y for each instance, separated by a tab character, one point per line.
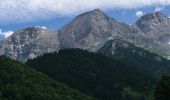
19	82
95	74
162	91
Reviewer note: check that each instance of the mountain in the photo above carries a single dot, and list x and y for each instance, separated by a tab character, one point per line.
154	24
19	82
29	43
95	74
92	29
136	57
157	27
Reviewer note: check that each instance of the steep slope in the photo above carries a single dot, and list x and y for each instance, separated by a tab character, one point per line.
154	24
19	82
163	89
138	58
29	43
95	74
157	27
88	31
92	29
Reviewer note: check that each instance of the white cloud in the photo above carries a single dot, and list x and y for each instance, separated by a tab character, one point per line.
139	13
159	9
43	27
6	34
30	10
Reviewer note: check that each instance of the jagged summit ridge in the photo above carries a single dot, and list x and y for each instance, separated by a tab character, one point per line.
29	43
154	24
92	29
95	12
157	27
85	28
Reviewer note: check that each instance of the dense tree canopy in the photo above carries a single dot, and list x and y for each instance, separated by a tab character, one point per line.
95	74
137	58
162	91
19	82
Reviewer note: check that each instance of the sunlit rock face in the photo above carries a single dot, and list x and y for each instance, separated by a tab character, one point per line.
92	29
154	24
29	43
157	27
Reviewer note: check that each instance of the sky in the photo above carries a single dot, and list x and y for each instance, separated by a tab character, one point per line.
54	14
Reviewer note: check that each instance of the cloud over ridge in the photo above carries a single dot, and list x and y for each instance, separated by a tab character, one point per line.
6	34
30	10
139	13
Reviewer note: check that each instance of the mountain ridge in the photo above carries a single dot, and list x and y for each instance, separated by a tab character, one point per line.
136	57
29	43
90	31
100	28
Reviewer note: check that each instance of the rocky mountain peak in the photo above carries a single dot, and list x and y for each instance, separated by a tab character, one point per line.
92	29
85	29
95	12
154	24
93	17
159	13
28	34
36	28
29	43
30	31
156	17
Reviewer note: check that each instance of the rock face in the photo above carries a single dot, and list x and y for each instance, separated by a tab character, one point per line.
92	29
154	24
157	27
29	43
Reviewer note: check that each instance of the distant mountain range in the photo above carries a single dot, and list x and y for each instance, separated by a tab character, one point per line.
90	31
94	54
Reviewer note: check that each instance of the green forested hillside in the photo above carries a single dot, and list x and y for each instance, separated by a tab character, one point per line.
162	91
19	82
95	74
142	60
